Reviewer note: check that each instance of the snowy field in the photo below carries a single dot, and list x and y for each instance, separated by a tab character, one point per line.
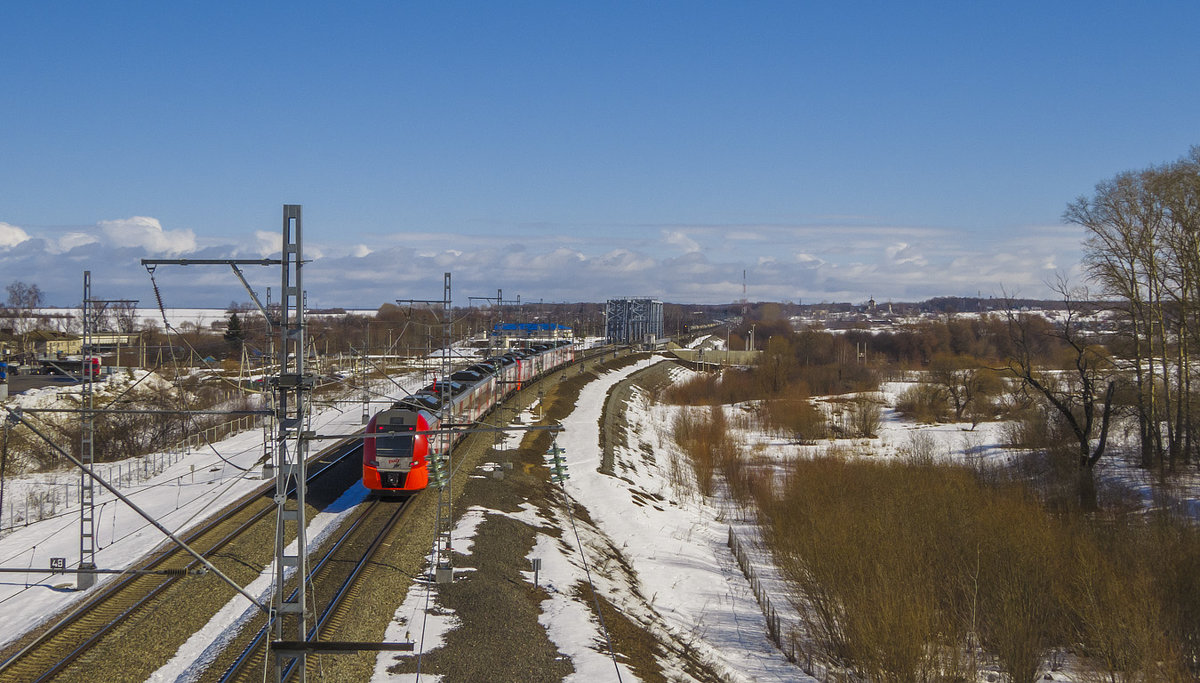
191	487
685	584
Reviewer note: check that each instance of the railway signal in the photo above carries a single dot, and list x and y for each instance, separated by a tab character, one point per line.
439	475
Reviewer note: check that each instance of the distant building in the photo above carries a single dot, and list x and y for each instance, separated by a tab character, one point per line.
633	321
533	330
47	344
108	341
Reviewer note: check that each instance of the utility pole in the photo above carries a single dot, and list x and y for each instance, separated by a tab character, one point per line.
292	420
441	469
444	573
89	363
291	417
86	578
499	301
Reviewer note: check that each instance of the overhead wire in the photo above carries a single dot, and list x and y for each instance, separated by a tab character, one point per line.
179	391
588	572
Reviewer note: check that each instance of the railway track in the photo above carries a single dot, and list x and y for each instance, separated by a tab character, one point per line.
55	650
344	571
56	653
335	578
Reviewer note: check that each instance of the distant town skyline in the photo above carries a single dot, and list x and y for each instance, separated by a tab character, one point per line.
581	151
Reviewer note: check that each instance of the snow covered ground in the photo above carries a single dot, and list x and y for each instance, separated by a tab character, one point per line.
690	585
191	487
685	585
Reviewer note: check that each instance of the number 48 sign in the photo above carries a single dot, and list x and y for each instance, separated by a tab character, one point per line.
58	564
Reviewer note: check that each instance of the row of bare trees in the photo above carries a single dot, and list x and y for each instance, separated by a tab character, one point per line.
1143	250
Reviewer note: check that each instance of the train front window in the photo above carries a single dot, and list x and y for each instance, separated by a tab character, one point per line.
395	445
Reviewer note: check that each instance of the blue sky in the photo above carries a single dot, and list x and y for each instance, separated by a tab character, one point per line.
579	151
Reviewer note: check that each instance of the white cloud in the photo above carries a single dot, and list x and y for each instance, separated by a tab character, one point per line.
268	242
902	253
148	233
73	239
680	239
821	263
11	235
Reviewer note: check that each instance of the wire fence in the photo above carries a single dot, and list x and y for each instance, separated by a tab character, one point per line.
36	501
774	632
26	503
788	642
221	431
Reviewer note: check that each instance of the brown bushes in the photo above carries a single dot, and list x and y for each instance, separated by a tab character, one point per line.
736	386
729	386
1135	597
707	442
796	417
903	570
924	402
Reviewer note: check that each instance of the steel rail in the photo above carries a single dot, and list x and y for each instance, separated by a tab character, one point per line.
344	590
155	559
238	669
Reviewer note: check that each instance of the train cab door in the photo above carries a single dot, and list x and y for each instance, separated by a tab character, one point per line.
394	452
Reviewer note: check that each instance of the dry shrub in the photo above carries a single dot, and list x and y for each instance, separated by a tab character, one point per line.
709	447
871	596
921	449
1021	581
1051	461
691	392
728	386
865	416
836	378
796	417
736	386
902	571
1136	596
118	436
1173	557
927	403
901	568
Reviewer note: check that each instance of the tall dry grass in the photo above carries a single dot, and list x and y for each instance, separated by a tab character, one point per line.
796	417
707	389
920	573
924	402
735	385
710	448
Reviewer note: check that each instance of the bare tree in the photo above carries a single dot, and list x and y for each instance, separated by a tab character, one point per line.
23	299
21	295
1143	247
1079	390
1176	188
1122	223
966	381
125	316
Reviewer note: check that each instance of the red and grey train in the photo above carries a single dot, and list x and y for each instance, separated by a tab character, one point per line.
397	463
